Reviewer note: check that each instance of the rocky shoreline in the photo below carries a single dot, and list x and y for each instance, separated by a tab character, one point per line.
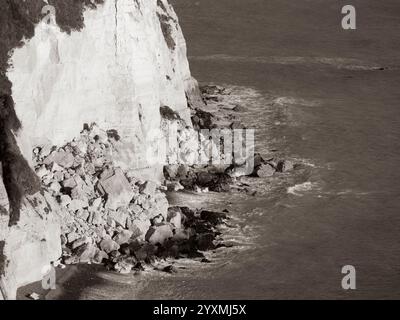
114	219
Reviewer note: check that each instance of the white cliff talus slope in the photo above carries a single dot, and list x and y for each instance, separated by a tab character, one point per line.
117	71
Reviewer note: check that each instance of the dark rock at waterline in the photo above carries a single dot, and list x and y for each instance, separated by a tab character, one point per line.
170	269
82	254
207	178
124	264
146	252
202	227
238	108
100	256
212	90
265	171
202	120
284	166
159	234
174	217
125	249
218	182
190	250
249	167
169	249
258	160
237	125
213	217
205	241
123	237
175	171
262	167
114	255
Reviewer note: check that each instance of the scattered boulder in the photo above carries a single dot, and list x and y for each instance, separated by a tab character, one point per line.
60	157
77	204
218	182
212	90
69	183
71	237
86	253
82	254
120	216
238	108
100	256
171	171
55	186
202	120
79	242
265	170
109	245
123	237
213	217
145	252
142	225
157	220
159	234
174	186
148	188
125	249
205	241
97	218
118	190
124	266
175	217
284	166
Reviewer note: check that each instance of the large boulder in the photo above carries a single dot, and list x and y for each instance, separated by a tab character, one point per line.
117	188
109	245
175	217
148	188
212	216
83	254
284	166
120	216
123	236
61	157
265	171
159	234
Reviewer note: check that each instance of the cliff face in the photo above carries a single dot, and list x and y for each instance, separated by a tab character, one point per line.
125	61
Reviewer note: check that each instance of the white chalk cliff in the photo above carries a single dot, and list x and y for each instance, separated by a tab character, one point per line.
127	61
117	72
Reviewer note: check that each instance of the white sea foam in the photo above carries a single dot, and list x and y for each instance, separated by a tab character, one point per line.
298	189
291	101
